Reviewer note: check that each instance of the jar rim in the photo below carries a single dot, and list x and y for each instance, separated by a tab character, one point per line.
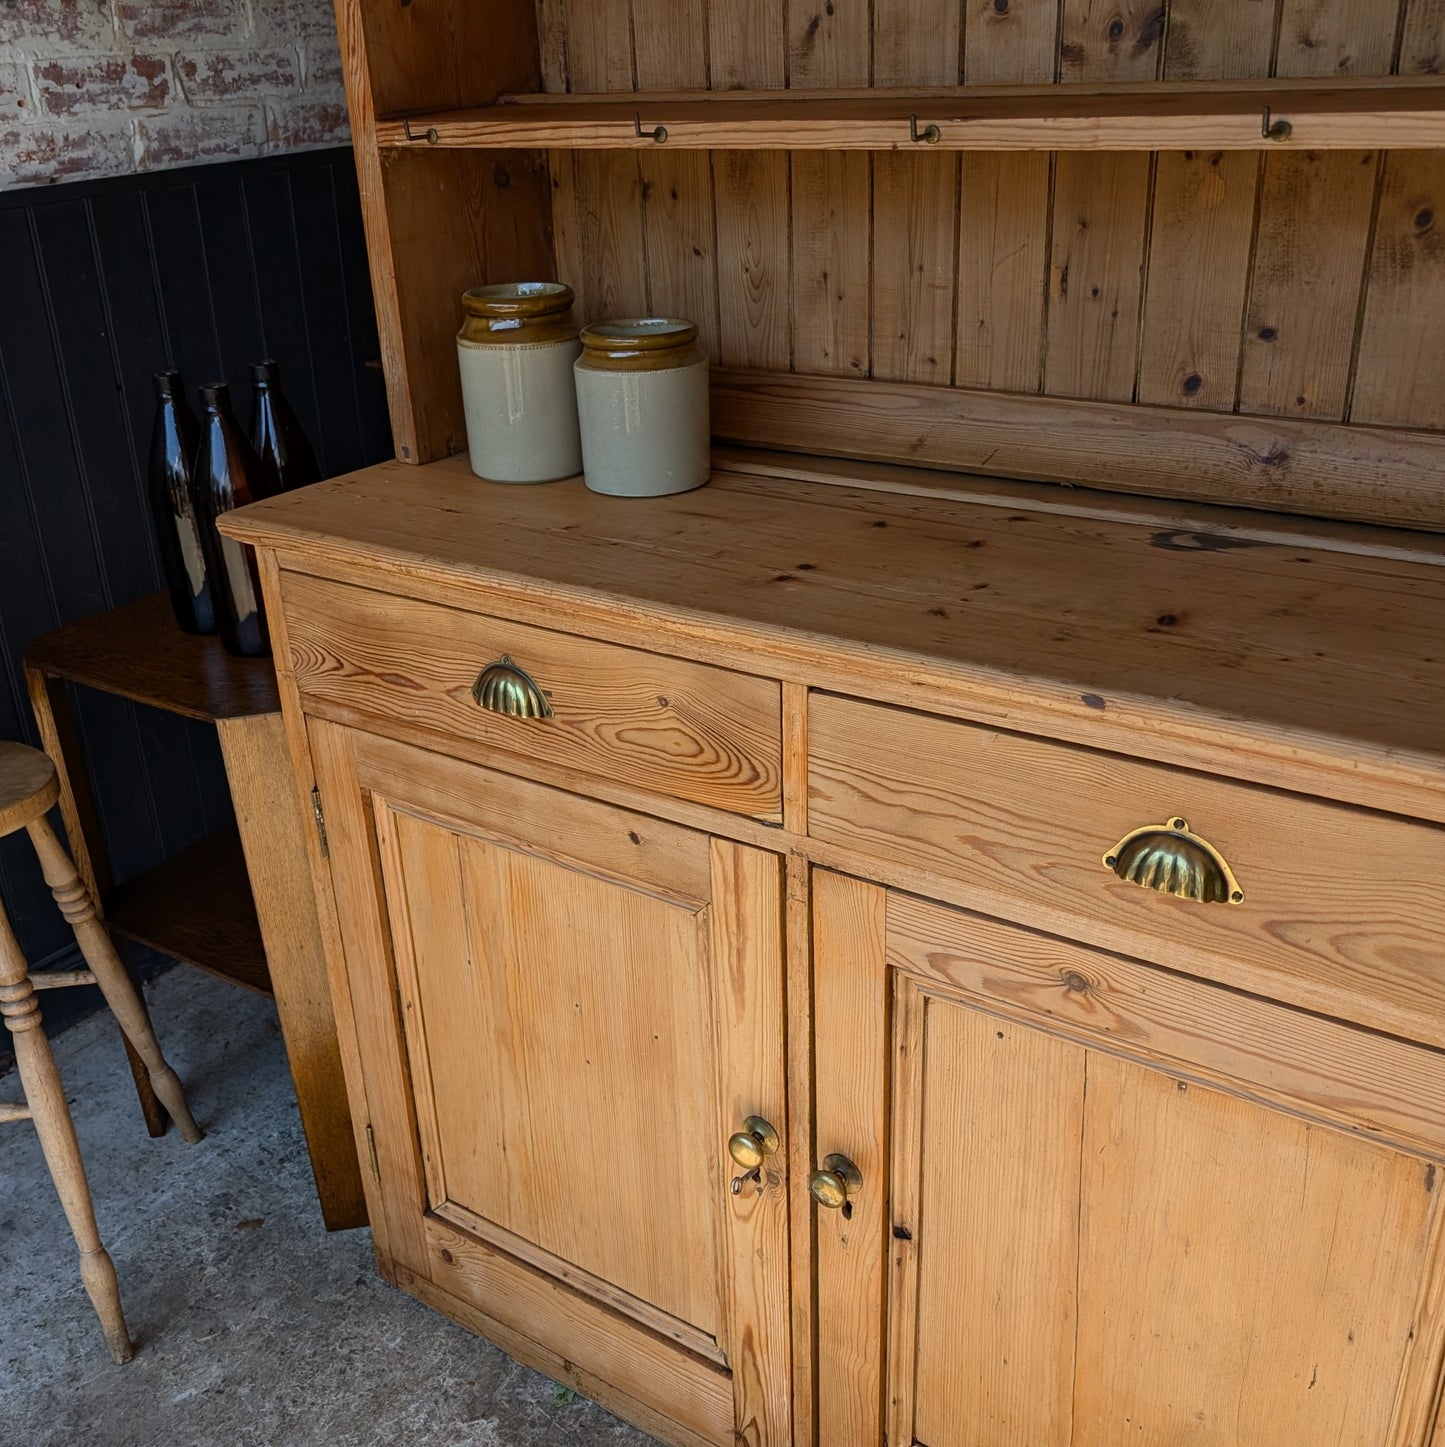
517	299
632	335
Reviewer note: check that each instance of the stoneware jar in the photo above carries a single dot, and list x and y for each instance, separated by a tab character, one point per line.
516	349
642	400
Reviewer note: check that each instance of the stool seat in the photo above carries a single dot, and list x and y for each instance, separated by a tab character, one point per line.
29	785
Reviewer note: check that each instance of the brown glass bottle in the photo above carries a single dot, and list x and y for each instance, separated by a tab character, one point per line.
173	508
227	476
287	457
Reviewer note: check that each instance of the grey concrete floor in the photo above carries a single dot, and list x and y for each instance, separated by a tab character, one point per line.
255	1328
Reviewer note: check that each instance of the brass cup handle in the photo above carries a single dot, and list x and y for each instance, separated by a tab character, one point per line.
832	1184
1172	859
502	687
749	1148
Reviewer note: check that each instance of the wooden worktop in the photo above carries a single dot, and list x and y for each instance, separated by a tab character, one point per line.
1287	660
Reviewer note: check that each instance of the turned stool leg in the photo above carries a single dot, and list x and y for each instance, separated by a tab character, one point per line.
95	944
43	1093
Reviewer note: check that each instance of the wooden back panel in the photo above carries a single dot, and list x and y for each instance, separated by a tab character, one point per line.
1305	286
1277	285
1289	285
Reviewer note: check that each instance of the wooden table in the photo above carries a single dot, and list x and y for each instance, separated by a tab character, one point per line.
237	903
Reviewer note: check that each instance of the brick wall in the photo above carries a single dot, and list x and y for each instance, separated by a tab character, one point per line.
106	87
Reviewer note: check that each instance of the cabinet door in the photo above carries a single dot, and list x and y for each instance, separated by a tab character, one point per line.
1102	1205
564	1010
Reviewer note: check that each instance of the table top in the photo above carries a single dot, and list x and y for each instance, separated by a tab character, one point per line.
1280	661
138	652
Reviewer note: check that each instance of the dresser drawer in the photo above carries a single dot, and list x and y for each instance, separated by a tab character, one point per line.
662	724
1342	910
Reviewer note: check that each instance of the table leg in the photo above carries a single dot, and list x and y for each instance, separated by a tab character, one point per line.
60	738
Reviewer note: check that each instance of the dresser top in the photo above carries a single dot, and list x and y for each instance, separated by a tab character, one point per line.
1290	662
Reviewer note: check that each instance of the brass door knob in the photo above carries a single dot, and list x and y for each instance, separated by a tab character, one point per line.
750	1147
837	1179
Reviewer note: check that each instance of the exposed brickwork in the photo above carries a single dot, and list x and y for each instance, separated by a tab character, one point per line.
292	125
225	76
83	84
102	87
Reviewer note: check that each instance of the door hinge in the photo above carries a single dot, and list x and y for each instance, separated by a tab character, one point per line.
320	821
371	1151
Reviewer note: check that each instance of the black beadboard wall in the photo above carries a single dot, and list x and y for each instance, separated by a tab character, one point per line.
102	284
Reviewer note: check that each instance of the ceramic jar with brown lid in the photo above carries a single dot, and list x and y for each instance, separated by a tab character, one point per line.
516	349
642	398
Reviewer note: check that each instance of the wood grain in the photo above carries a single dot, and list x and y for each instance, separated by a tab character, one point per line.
998	1232
1309	260
1201	239
1316	1068
748	1008
681	240
850	1005
601	249
378	1083
915	42
977	804
1100	209
1335	37
1335	697
1115	42
915	201
136	651
1016	43
746	44
829	44
1279	464
1236	1214
832	234
1208	38
271	829
1422	39
1397	380
1002	267
751	189
580	1334
704	733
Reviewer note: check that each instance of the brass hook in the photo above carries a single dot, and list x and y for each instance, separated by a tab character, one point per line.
928	135
429	135
1274	130
657	133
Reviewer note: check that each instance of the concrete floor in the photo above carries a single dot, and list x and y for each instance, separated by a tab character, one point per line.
254	1327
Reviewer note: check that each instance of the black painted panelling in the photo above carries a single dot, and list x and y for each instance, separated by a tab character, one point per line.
100	285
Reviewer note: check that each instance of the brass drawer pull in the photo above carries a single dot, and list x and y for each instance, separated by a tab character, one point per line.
504	688
749	1148
832	1184
1167	857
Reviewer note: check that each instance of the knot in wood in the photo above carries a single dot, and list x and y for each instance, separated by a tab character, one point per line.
1076	983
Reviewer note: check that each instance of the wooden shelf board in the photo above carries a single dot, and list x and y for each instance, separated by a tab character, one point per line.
138	652
1231	115
197	907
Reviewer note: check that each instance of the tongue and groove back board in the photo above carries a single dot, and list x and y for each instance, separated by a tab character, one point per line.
1291	284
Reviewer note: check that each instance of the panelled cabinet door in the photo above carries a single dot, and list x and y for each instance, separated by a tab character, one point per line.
564	1012
1099	1205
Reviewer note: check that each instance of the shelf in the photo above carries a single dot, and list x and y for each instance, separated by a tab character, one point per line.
138	652
1211	115
197	907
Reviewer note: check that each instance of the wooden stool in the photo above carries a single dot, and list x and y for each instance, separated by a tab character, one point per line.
28	788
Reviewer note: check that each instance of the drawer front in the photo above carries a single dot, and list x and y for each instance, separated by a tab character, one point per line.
1343	910
662	724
